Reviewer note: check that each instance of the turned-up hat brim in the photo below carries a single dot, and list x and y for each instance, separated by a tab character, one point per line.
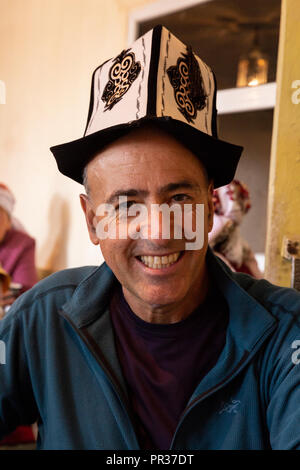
219	157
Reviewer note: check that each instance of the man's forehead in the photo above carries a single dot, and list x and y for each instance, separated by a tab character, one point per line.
141	176
149	145
148	135
146	161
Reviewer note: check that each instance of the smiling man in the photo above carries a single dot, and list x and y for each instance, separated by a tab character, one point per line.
162	346
162	282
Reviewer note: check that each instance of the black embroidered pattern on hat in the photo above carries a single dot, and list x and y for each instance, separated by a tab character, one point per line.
122	74
185	77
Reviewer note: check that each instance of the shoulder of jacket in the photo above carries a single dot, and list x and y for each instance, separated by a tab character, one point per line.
57	288
46	298
280	301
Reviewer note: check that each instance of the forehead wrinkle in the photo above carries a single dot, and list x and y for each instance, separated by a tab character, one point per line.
135	176
170	187
132	161
120	157
126	192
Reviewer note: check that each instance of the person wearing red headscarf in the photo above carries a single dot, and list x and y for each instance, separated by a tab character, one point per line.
17	248
17	259
231	203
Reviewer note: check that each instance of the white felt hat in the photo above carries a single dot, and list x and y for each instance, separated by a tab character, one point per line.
159	79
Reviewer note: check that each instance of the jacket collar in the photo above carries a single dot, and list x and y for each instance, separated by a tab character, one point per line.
91	297
249	320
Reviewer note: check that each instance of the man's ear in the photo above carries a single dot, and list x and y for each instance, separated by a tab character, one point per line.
210	205
89	217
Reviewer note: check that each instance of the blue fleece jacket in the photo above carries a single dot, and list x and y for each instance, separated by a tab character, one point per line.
61	368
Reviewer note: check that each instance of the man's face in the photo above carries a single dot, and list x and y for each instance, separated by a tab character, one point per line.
5	223
149	167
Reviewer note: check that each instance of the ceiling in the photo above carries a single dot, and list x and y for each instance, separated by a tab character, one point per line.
220	31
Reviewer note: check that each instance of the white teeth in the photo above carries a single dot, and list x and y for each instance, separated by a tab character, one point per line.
158	262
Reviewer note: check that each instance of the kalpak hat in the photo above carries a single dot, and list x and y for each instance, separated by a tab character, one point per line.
159	80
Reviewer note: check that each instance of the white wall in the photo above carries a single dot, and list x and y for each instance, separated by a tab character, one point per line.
48	51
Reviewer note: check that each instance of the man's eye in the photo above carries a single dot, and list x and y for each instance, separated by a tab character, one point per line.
180	197
125	205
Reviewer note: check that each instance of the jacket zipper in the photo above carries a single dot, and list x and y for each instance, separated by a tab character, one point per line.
113	381
247	356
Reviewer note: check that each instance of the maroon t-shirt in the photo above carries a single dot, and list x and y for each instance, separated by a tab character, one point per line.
163	363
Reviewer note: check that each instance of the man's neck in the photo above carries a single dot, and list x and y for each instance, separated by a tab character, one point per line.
171	313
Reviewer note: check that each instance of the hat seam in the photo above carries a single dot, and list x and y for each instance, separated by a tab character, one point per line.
208	93
141	81
164	75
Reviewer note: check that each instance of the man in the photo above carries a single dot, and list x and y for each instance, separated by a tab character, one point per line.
162	346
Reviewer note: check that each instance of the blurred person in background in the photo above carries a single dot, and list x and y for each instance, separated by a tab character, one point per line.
231	204
17	248
18	274
4	289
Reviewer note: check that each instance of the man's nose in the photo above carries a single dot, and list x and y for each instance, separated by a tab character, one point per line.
156	226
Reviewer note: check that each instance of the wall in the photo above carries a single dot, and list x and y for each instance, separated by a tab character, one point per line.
48	51
284	188
252	130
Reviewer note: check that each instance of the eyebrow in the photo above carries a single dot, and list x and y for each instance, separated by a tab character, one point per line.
184	184
125	192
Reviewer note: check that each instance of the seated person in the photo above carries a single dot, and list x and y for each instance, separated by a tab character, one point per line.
17	248
17	261
4	289
231	204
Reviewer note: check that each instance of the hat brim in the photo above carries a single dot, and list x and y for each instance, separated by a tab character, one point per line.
220	158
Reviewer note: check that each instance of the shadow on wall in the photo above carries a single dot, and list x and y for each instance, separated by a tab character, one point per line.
53	253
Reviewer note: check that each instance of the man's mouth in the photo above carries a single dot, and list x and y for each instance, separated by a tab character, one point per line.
160	262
